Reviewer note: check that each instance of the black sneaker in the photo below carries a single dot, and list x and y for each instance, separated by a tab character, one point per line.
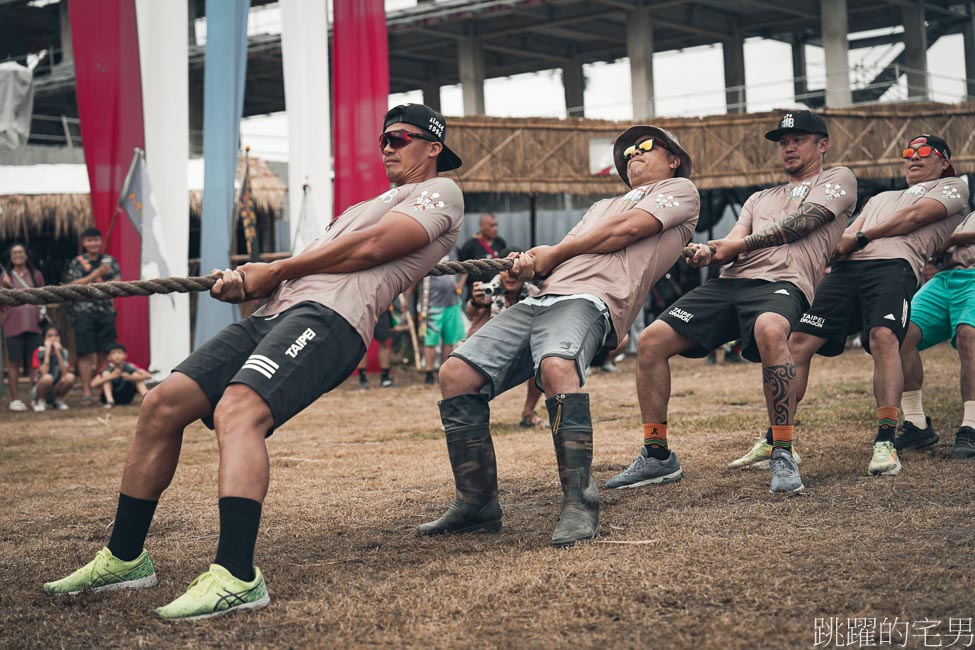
964	444
912	437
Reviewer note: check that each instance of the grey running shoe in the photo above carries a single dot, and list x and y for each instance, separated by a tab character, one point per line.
964	443
645	470
912	437
785	473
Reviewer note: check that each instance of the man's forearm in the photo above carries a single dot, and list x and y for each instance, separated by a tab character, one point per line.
961	239
790	228
909	219
611	235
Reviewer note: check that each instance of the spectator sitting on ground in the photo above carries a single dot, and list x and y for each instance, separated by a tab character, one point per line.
22	324
55	377
120	380
505	290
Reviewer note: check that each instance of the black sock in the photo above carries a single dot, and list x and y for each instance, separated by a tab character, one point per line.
240	519
884	434
384	373
362	376
429	374
132	519
768	435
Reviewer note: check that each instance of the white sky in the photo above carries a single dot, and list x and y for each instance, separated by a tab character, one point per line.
687	82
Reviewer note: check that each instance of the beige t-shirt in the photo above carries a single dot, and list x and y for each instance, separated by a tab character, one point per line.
962	257
918	246
802	262
623	279
360	297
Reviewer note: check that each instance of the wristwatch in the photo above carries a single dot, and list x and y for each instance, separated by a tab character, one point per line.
862	240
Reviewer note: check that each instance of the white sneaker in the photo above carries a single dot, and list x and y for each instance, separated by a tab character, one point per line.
40	405
61	406
17	405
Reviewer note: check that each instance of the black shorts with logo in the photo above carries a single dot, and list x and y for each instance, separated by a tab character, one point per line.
858	296
725	309
289	359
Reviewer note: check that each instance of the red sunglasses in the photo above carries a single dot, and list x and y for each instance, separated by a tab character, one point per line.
923	151
401	138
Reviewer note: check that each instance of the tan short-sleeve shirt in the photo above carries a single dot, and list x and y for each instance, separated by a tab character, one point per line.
436	204
622	279
802	262
915	247
962	257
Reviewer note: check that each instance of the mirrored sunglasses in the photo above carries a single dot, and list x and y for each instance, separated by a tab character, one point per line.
401	138
923	151
643	147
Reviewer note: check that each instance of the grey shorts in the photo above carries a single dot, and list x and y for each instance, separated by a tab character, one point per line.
509	349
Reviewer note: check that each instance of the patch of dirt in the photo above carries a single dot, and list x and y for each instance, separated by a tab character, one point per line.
713	561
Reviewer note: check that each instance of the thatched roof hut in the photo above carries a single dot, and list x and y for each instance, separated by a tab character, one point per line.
546	156
66	211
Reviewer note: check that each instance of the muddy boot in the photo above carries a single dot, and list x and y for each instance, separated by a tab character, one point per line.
475	507
572	434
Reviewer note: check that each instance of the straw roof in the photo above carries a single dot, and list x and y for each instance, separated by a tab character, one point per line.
537	155
66	215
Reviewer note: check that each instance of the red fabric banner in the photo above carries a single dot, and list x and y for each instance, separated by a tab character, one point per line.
109	90
360	68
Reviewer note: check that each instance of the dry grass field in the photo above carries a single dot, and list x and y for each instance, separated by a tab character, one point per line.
714	561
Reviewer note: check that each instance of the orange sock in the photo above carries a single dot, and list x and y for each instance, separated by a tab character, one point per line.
782	437
887	422
654	435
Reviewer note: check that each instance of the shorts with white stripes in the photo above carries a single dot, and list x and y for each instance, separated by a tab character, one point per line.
290	359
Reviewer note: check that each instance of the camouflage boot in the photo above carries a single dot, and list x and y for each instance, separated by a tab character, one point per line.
475	507
572	434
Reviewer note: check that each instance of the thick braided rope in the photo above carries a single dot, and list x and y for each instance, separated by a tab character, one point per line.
120	289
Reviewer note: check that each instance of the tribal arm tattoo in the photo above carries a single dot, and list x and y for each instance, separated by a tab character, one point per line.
790	228
777	382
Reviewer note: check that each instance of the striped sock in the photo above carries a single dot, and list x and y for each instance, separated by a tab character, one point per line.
887	423
655	440
782	438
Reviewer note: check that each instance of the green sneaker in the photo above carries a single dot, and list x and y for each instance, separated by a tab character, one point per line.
759	455
215	593
106	573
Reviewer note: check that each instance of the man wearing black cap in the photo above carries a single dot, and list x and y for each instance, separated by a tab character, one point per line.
878	266
779	249
599	274
256	374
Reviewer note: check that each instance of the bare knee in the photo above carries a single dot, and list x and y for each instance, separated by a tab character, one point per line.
803	346
241	410
883	339
771	334
913	337
965	338
457	377
559	375
653	344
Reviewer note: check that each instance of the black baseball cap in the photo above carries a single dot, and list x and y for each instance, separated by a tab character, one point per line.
939	145
797	122
663	136
432	122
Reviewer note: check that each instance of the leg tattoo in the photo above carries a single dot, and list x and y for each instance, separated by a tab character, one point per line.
777	382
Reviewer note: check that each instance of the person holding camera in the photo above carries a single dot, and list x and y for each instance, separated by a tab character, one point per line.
120	380
488	299
22	324
93	321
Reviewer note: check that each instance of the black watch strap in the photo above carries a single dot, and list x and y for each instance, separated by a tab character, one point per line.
862	240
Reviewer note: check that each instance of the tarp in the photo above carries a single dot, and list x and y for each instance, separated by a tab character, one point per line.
361	69
16	103
304	49
109	91
163	54
223	105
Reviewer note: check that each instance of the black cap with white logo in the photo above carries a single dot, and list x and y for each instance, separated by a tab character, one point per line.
939	145
430	121
797	122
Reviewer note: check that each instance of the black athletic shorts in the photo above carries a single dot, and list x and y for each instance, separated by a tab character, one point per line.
858	296
289	359
20	349
94	332
384	327
725	309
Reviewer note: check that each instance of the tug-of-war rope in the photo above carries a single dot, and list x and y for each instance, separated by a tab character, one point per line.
121	289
